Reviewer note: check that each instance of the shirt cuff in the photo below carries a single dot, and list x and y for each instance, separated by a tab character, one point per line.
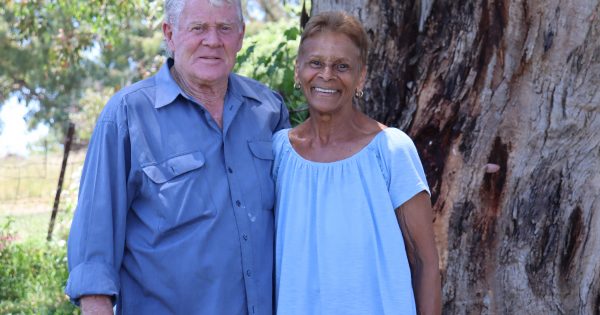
92	278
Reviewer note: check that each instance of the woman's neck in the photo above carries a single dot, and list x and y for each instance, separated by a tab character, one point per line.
333	127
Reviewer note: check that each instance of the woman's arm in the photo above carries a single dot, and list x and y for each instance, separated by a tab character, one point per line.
415	218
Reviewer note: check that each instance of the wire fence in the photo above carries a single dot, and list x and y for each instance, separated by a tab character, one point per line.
28	185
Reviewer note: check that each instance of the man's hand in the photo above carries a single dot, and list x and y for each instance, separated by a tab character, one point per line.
96	305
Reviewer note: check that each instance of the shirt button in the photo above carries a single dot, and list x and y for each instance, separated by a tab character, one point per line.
230	170
238	203
249	273
245	236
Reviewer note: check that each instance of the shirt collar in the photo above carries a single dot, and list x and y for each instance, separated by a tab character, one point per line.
167	89
237	88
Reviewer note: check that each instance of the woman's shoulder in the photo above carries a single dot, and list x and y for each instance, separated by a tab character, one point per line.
393	142
280	135
395	136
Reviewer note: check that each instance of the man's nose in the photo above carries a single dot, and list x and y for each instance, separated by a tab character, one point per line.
211	37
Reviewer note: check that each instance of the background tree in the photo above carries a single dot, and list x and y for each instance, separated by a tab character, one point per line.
64	58
54	51
514	83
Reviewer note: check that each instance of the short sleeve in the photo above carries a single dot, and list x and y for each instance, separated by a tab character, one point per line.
401	166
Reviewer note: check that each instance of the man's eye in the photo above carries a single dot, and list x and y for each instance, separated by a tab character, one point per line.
198	28
226	28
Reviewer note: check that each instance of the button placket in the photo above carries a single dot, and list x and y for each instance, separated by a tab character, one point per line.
243	224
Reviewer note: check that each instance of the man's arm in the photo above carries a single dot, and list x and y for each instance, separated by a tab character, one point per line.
97	236
96	305
415	218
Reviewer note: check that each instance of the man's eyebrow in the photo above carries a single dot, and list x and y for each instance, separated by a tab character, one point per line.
216	23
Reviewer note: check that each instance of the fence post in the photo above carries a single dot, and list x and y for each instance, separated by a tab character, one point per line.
63	168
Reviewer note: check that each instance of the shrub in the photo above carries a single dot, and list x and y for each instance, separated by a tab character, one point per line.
269	56
32	276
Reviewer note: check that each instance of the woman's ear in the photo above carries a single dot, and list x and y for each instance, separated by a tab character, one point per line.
296	71
363	78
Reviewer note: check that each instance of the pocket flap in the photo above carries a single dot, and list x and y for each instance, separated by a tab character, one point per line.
261	149
162	172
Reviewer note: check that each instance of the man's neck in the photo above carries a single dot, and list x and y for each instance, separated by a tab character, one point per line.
211	96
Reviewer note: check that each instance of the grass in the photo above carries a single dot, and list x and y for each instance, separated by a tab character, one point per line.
28	185
33	272
31	226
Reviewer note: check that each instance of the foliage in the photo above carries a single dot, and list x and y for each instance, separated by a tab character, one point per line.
32	277
269	55
7	234
33	272
53	49
65	58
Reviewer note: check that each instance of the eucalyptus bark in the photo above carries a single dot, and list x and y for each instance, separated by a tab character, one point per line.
513	83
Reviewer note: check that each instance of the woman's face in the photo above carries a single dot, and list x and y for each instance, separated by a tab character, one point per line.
329	71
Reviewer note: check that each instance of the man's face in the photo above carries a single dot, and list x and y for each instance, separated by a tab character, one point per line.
205	41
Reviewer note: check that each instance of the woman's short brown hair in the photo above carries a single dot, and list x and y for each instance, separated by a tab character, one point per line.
339	22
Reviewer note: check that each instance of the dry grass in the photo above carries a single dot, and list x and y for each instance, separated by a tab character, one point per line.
28	188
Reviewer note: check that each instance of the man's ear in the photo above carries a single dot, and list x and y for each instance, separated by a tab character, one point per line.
168	35
241	40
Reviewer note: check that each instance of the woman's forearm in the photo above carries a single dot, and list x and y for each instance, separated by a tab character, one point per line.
426	286
415	218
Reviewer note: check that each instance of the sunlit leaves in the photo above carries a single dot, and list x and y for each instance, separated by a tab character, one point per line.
53	49
268	55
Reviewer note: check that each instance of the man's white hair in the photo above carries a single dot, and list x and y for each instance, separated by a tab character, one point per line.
173	9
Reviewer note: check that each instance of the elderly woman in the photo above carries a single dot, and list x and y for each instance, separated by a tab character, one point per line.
354	228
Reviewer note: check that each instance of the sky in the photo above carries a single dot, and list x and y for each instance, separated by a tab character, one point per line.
14	136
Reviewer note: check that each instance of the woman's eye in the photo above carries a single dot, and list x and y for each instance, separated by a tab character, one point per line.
343	67
315	63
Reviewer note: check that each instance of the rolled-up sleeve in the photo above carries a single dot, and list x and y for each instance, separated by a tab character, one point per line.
97	236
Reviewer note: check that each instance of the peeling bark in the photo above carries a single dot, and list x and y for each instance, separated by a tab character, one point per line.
514	83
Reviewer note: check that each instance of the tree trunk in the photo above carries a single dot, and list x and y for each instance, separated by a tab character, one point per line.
514	83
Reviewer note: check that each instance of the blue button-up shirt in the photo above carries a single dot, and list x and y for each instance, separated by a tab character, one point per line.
175	214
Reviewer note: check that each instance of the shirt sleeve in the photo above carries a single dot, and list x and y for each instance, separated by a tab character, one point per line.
402	167
97	235
284	115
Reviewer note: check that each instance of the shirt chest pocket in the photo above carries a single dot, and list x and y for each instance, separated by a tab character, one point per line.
263	161
178	191
173	167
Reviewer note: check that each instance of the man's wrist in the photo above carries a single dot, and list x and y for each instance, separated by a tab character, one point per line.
96	305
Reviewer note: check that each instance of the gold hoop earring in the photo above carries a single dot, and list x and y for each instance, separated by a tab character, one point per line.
359	93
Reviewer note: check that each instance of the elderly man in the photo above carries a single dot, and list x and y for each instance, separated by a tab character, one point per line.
175	212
